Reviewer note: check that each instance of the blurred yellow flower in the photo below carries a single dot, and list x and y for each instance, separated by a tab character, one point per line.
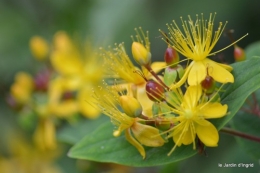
54	106
39	47
45	134
196	43
80	71
24	157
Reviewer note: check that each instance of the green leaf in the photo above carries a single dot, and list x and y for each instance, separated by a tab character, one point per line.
253	50
73	133
247	80
249	124
102	146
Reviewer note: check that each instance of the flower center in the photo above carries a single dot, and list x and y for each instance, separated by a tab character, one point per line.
188	113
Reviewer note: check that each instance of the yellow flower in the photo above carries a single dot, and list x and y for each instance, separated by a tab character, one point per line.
136	133
80	71
196	43
57	106
39	47
193	111
50	108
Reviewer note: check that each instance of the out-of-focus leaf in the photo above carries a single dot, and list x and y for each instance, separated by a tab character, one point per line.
253	50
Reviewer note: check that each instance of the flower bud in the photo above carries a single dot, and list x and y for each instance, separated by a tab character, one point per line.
171	56
239	54
39	47
173	74
41	80
140	54
209	85
162	124
22	87
131	106
154	91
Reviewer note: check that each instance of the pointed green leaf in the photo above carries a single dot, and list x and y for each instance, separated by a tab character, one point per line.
253	50
247	80
102	146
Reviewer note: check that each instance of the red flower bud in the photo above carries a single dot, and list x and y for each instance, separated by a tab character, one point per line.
171	56
154	91
239	54
208	84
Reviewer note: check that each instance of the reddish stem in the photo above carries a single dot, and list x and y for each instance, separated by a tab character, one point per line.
148	67
240	134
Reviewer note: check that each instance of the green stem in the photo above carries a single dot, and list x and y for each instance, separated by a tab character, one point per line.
240	134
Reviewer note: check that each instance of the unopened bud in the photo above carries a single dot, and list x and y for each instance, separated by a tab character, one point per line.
173	74
239	54
140	54
208	84
171	56
39	47
41	80
131	106
154	91
162	124
22	87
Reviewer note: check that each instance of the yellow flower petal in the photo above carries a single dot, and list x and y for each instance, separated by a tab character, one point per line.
217	72
192	96
144	100
207	134
158	66
134	142
176	134
147	135
214	110
197	73
66	63
225	66
84	99
187	137
183	134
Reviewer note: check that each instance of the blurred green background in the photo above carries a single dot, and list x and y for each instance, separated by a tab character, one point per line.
107	22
